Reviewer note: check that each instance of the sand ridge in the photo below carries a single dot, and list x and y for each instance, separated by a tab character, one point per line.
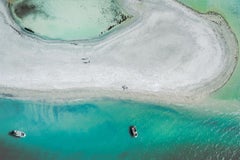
170	51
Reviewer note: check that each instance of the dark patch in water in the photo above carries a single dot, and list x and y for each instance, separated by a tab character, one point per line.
149	106
8	152
24	9
73	109
119	16
85	108
200	152
120	19
7	95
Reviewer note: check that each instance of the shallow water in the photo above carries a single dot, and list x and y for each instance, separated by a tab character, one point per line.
99	130
68	20
230	10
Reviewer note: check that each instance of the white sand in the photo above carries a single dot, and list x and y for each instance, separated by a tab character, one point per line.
170	51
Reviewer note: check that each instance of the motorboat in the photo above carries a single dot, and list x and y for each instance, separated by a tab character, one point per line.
133	131
17	134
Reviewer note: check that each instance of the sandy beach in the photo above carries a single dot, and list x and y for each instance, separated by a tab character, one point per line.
169	52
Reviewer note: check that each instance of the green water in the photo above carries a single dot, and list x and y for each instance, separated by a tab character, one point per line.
230	10
98	129
68	20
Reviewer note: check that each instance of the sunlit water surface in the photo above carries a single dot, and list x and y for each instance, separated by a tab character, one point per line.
99	130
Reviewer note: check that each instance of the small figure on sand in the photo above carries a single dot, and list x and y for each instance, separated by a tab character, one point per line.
86	60
124	87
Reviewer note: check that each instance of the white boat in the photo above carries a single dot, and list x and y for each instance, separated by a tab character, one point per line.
18	134
133	131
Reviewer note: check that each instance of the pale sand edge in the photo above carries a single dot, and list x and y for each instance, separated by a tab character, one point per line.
84	94
230	39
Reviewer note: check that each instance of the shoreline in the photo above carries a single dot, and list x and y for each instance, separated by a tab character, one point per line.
84	94
168	96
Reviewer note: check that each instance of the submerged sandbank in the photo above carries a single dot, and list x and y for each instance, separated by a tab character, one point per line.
170	52
84	19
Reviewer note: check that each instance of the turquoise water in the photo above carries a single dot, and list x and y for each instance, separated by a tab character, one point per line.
68	19
98	129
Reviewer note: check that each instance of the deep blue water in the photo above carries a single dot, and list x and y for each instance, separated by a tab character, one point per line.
98	129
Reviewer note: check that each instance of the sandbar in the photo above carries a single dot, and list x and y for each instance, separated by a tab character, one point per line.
168	52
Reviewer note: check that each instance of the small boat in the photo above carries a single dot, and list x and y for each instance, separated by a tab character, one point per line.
17	134
133	131
29	30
